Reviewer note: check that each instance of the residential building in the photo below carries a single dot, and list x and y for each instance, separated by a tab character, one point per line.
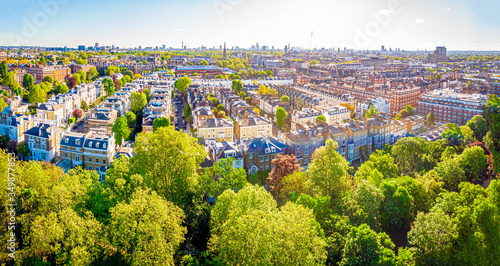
336	114
379	103
100	120
304	141
226	150
304	116
43	141
51	113
448	106
91	151
258	153
14	125
253	127
216	129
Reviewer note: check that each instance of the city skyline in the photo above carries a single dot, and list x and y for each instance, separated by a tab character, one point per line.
459	25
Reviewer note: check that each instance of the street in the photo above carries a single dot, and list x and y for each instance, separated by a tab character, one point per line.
178	104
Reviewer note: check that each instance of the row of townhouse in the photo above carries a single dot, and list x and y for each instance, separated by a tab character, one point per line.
332	114
89	150
160	105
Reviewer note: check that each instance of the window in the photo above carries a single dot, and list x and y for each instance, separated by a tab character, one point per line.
66	140
250	156
97	145
262	159
77	158
97	160
267	158
90	159
90	167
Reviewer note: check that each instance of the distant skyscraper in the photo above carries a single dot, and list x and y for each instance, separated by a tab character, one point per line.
224	55
96	45
383	48
81	47
286	49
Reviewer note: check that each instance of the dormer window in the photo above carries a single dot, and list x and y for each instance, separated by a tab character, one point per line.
90	144
66	140
104	145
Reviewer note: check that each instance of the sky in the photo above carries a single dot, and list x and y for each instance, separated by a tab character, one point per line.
354	24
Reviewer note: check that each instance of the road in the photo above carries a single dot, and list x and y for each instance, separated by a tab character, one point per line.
178	104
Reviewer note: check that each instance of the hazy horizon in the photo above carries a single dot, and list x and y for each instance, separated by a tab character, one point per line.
462	25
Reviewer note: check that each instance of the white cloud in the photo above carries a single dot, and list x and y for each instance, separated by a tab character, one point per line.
445	9
419	21
178	30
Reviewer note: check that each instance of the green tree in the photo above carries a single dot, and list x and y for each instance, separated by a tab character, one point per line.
160	122
321	118
371	111
294	185
109	86
430	119
280	116
203	63
157	157
48	79
380	161
148	94
285	99
395	210
412	155
454	135
242	94
473	161
182	84
3	104
121	130
65	235
328	172
479	126
450	173
138	101
237	86
131	119
37	95
17	90
187	111
28	81
148	230
4	68
432	237
92	73
365	247
62	89
84	105
8	79
240	222
221	176
364	205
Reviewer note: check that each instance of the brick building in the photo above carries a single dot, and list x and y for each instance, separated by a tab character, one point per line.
451	107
